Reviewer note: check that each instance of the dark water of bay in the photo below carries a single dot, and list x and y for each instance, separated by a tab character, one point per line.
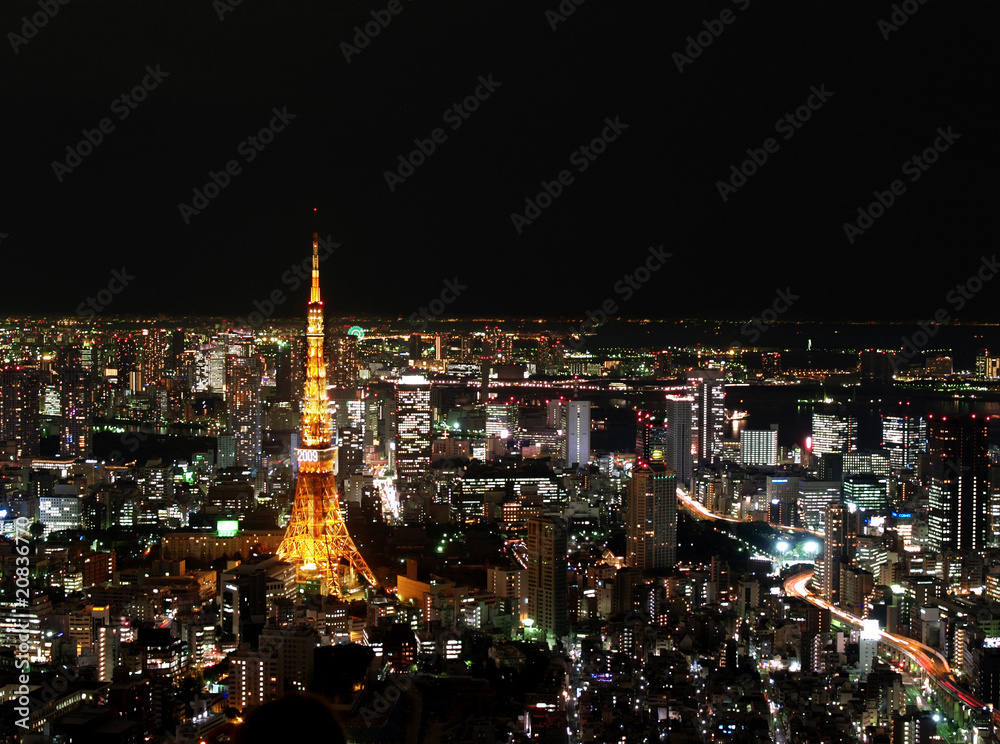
792	408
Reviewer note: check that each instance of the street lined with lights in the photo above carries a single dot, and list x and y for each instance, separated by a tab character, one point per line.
927	658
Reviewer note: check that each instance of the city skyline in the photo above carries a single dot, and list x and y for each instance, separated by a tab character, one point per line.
446	372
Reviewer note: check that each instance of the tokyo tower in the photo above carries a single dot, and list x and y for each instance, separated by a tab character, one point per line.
317	540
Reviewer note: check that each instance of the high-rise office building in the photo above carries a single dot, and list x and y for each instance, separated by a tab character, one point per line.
834	433
959	482
857	463
501	418
904	437
814	496
413	426
210	369
677	445
708	422
547	574
868	645
834	549
76	401
244	408
127	361
226	455
153	345
650	437
20	391
987	367
867	491
759	447
556	416
651	518
343	349
782	494
578	414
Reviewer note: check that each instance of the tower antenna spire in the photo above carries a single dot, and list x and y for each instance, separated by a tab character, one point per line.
314	290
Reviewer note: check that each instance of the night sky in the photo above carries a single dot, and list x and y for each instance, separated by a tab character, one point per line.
608	68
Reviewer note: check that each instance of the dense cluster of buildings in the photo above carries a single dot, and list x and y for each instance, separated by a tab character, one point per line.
563	546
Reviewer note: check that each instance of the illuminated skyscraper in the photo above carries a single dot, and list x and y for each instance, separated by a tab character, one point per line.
243	405
579	433
153	351
904	437
869	492
343	360
128	361
651	518
502	419
20	390
210	369
317	541
959	483
555	414
651	437
869	645
834	433
987	367
834	549
76	401
547	574
759	447
413	426
677	445
708	418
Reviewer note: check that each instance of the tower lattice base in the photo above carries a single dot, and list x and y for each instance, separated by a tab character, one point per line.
317	540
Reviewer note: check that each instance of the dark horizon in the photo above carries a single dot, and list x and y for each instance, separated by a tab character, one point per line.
622	117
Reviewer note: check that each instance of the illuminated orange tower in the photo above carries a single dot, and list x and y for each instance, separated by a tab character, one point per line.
317	540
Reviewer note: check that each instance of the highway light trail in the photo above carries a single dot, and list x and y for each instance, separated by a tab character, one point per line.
929	659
